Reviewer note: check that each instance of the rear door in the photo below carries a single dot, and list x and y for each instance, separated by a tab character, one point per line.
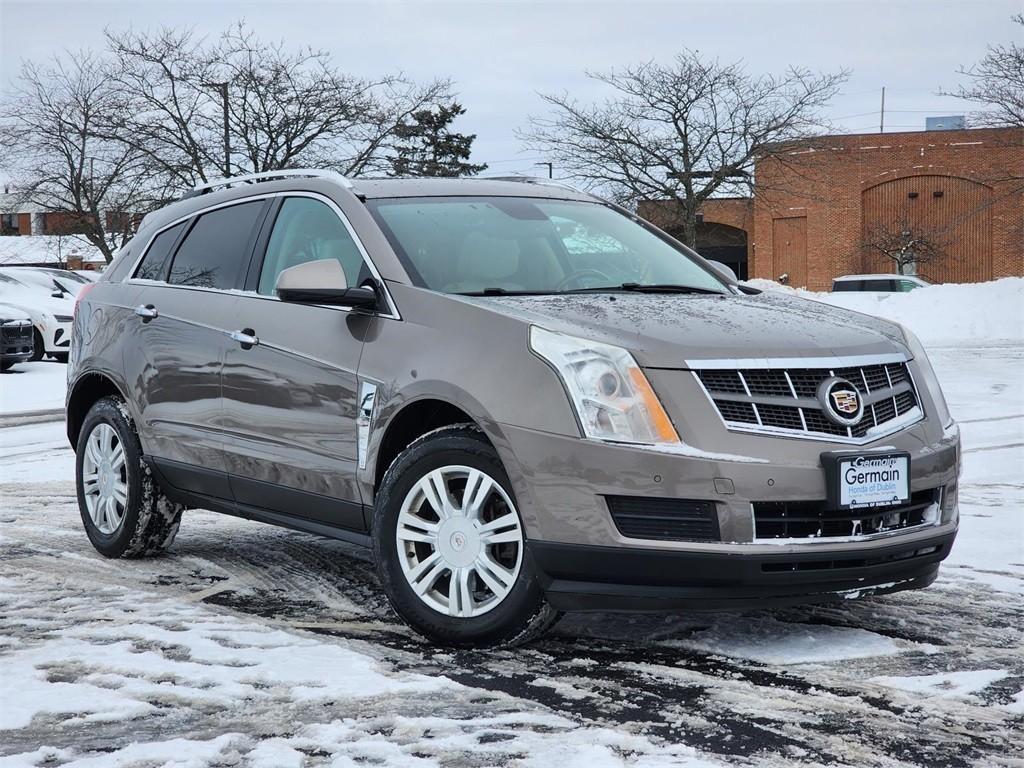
290	384
188	288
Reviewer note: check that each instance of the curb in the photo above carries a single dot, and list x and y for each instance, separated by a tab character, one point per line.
31	417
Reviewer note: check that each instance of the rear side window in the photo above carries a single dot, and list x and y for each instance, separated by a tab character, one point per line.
215	252
846	285
154	263
309	230
878	285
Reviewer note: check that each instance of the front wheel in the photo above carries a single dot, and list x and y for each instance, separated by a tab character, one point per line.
37	346
450	546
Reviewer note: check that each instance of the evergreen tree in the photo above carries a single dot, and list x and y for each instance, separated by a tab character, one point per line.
426	145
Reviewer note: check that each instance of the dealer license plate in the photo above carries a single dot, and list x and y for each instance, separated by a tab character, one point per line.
868	480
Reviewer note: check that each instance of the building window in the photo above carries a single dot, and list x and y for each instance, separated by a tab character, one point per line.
9	224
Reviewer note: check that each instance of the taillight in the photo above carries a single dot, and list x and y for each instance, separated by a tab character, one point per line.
81	295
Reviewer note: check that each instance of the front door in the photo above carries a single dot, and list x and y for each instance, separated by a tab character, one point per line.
290	384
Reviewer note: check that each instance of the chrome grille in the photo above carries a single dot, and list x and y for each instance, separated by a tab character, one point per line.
784	400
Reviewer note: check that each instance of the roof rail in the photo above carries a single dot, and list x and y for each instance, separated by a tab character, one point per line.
540	180
252	178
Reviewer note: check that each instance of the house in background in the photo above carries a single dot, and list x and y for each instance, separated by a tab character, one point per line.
818	204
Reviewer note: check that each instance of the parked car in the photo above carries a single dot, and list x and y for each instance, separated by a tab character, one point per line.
51	316
880	283
525	399
59	282
15	337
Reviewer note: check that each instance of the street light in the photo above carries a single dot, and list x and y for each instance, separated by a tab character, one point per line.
223	88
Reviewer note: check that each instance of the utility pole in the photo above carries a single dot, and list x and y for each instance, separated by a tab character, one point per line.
881	120
551	169
223	88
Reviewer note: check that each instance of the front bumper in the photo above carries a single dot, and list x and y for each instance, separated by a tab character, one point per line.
588	578
585	562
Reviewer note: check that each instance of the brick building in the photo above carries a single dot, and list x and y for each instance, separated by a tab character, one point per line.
818	204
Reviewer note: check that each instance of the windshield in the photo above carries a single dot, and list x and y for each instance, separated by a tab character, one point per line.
531	245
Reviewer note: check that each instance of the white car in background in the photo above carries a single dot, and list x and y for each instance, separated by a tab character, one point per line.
51	316
54	280
878	283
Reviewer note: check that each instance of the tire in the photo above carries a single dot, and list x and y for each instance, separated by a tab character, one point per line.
143	521
60	357
496	599
5	367
37	346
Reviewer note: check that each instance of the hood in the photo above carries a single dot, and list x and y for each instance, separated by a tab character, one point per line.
10	312
35	301
666	330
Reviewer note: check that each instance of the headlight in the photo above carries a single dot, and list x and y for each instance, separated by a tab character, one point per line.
931	380
611	395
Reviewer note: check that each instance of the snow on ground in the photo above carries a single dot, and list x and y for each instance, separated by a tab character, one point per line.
31	387
257	646
47	249
955	314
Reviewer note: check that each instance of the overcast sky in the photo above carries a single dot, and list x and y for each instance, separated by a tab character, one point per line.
500	54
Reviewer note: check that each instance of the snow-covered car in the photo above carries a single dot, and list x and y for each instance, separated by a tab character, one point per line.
54	280
51	316
15	336
878	283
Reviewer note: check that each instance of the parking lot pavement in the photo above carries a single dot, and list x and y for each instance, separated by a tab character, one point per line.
252	645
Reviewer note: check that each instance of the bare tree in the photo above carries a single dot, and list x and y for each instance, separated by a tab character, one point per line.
61	163
284	108
907	245
996	83
685	132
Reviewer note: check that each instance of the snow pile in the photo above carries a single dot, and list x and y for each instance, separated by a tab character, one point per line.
950	314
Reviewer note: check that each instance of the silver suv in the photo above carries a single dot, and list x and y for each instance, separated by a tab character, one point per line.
525	399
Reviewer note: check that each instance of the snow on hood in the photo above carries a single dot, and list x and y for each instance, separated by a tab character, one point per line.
11	312
664	330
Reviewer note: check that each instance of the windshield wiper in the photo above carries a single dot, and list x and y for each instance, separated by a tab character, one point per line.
503	292
645	288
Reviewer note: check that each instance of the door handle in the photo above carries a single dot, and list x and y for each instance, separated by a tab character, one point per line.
147	312
246	338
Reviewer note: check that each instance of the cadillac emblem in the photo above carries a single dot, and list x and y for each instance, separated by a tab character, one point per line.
841	401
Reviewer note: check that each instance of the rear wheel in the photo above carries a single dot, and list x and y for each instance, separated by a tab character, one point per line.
60	357
450	545
124	511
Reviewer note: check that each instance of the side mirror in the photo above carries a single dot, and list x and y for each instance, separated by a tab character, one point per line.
322	282
57	295
724	270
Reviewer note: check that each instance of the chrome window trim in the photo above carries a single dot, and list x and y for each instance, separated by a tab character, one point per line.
894	425
392	314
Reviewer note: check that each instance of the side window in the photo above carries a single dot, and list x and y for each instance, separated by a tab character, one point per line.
154	263
215	253
907	285
878	285
309	230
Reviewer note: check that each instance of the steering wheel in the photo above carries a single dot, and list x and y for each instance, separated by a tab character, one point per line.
579	274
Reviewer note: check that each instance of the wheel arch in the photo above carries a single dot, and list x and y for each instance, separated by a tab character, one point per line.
86	390
412	421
